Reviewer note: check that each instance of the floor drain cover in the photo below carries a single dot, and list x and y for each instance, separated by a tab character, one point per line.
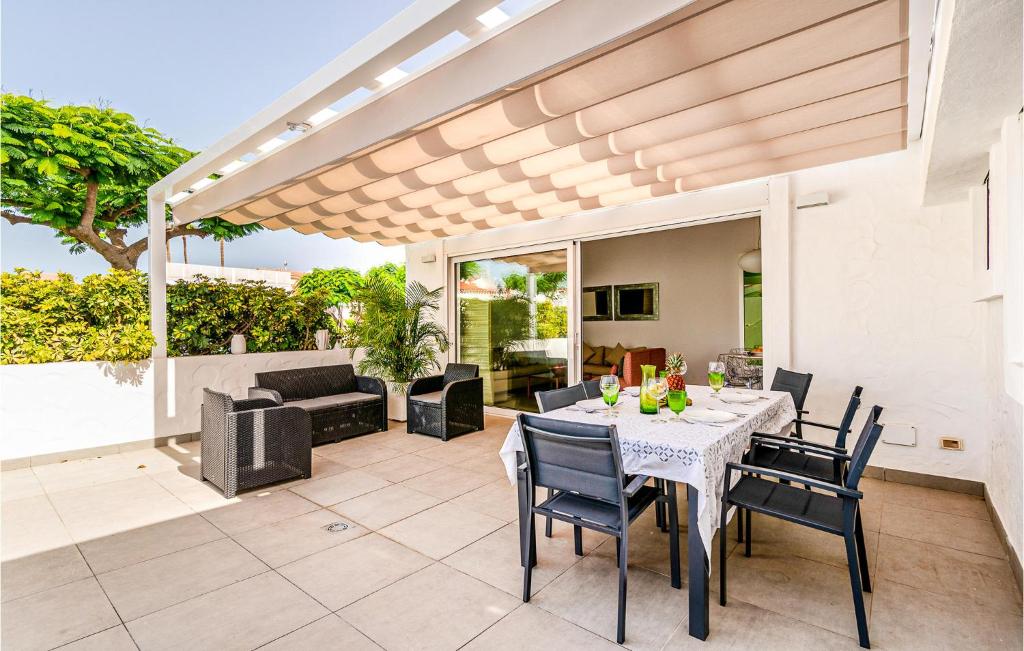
335	527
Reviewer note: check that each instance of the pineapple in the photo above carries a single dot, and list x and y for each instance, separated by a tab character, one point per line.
675	366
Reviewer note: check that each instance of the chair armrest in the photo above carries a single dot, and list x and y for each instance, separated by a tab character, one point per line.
426	384
635	485
374	385
841	491
797	444
255	403
269	394
811	423
471	389
772	438
275	420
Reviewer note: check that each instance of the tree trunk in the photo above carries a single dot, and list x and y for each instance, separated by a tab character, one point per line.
222	253
167	244
184	248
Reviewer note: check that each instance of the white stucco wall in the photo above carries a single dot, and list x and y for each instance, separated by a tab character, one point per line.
881	292
67	406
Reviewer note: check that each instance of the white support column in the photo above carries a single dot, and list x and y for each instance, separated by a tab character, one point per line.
158	271
776	281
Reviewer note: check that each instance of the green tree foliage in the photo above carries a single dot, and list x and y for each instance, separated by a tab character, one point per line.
341	284
390	271
105	317
550	284
552	320
396	327
83	171
203	314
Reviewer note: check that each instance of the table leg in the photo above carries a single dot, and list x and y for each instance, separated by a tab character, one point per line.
699	570
673	534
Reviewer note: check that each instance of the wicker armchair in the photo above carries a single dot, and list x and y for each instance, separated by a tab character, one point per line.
250	443
447	405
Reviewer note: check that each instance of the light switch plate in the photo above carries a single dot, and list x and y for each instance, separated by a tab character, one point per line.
899	434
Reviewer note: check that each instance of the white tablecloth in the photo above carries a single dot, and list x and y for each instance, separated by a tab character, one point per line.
694	454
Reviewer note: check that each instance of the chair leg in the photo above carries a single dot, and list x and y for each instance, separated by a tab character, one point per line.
618	556
577	538
862	554
531	537
722	555
855	586
659	513
750	531
547	524
739	524
620	632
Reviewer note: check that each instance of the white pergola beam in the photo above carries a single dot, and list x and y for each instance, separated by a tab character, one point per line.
552	35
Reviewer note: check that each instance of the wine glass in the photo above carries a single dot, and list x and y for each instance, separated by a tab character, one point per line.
677	403
610	392
657	388
716	376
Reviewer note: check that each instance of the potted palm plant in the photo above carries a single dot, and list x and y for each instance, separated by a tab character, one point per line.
395	328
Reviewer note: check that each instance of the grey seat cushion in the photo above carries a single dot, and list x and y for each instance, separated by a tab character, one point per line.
338	400
434	397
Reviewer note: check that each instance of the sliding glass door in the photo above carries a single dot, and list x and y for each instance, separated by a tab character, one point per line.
514	318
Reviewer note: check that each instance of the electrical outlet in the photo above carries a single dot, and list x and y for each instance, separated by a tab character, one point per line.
950	443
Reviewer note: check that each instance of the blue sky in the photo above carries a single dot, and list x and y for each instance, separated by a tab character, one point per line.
192	69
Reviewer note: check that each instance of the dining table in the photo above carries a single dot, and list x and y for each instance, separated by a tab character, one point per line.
685	451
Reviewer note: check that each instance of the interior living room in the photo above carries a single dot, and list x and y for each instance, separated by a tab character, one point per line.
693	290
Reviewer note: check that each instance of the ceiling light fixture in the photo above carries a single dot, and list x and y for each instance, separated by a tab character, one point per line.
391	76
300	127
492	18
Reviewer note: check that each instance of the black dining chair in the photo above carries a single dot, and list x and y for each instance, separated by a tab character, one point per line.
797	455
558	398
832	508
592	388
797	384
582	463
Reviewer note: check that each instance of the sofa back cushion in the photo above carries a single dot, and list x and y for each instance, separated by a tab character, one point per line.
306	383
456	372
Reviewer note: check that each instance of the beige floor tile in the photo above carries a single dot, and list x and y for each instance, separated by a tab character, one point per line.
200	496
440	609
331	632
489	464
289	540
112	639
338	488
163	459
905	618
931	499
56	477
405	442
379	508
106	509
19	484
57	616
495	560
137	545
587	595
155	584
401	468
258	509
448	482
954	531
242	615
814	593
973	578
31	526
442	529
340	575
453	451
742	626
496	499
39	572
356	453
528	627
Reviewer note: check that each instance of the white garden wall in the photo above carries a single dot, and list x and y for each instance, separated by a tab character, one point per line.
52	409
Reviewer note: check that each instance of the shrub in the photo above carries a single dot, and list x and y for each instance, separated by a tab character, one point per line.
105	317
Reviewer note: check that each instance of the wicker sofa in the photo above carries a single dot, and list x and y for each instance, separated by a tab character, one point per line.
340	403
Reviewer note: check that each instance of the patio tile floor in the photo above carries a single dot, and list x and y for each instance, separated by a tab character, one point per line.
133	551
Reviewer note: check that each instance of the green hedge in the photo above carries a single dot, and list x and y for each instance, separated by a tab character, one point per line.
106	317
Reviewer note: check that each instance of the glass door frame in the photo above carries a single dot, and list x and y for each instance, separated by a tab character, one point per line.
571	248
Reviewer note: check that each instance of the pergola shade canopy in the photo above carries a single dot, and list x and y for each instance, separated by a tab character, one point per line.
719	92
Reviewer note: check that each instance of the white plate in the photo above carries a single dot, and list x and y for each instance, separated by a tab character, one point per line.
594	404
738	398
708	415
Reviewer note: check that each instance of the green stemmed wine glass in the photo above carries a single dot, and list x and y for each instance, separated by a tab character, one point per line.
716	376
677	403
610	392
